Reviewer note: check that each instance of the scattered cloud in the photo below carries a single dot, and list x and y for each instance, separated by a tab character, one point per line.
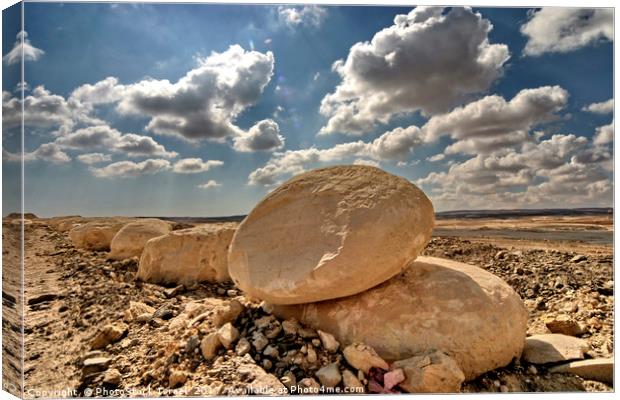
195	165
427	61
94	158
492	123
23	47
130	169
362	161
43	109
604	107
308	16
396	144
534	174
604	134
105	137
564	29
102	92
206	101
210	184
49	152
264	136
436	157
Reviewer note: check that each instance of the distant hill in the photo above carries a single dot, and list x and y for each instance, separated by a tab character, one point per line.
440	215
524	212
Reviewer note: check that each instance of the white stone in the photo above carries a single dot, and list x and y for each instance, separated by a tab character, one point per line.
129	241
330	233
466	312
189	255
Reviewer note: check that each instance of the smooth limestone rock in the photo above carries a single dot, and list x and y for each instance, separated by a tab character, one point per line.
95	235
330	233
189	255
550	348
598	369
435	304
130	240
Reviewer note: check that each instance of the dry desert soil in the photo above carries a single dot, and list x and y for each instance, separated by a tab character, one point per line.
554	264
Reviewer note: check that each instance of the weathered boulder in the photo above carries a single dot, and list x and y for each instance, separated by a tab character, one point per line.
598	369
462	310
131	238
188	255
549	348
95	235
330	233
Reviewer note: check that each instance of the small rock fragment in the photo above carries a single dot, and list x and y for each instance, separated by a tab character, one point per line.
329	341
361	356
309	385
228	335
243	347
259	341
329	375
431	372
564	324
393	378
579	258
109	334
290	327
289	380
95	364
209	345
112	377
351	382
177	378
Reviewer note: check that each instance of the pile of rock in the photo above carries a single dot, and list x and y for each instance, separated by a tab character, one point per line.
341	256
167	256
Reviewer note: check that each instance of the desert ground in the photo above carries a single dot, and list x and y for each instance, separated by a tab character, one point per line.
557	264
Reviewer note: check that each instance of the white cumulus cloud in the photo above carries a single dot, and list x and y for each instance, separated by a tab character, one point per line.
195	165
23	47
560	30
94	158
210	184
604	107
263	136
492	123
427	61
130	169
310	15
206	101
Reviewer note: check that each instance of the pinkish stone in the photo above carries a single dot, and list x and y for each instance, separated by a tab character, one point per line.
393	378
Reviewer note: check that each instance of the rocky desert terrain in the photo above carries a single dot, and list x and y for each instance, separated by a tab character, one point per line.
72	295
338	281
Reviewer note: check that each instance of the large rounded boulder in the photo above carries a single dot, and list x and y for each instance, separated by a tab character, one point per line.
330	233
189	255
435	304
95	235
131	238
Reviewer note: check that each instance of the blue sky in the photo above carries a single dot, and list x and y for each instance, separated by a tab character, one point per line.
200	110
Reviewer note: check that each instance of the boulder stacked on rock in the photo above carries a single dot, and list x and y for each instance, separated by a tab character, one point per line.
341	255
464	311
323	235
129	241
188	255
